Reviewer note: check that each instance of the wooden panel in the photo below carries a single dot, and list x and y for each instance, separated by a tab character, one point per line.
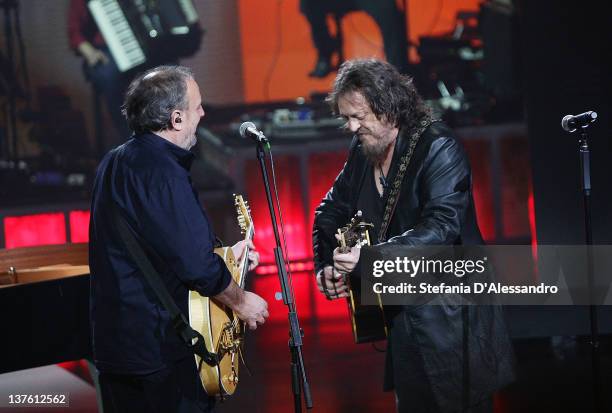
44	256
52	272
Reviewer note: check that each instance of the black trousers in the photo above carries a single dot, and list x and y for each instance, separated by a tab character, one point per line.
174	389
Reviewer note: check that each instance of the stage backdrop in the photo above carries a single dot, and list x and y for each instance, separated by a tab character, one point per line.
277	50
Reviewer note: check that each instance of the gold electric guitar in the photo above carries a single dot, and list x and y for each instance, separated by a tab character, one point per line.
221	329
368	321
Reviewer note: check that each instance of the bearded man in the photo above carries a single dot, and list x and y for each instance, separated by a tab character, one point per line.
144	364
441	357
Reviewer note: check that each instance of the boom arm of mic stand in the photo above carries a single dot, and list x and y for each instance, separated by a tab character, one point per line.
295	332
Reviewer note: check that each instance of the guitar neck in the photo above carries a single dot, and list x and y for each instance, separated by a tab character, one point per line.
244	263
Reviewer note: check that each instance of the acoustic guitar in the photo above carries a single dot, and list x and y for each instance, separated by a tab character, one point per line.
223	332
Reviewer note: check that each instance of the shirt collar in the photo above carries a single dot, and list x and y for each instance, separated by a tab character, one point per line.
183	157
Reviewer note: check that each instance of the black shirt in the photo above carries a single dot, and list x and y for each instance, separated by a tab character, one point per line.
370	202
152	186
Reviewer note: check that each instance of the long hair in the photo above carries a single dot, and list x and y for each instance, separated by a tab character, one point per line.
391	95
154	95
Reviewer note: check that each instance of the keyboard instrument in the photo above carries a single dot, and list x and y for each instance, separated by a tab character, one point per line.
139	31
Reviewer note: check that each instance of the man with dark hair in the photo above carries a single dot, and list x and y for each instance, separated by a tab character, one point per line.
427	352
143	363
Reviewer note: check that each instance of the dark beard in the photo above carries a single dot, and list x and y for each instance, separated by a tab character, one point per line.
375	154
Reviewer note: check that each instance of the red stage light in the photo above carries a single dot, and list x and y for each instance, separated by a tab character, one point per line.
33	230
79	226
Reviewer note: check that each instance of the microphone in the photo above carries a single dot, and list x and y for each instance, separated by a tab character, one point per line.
570	123
249	130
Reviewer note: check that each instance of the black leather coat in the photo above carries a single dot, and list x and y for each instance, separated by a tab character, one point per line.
435	207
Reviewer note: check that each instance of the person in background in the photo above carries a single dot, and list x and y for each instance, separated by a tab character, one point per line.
389	18
98	65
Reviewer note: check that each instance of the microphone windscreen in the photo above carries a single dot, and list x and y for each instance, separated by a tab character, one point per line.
565	121
244	126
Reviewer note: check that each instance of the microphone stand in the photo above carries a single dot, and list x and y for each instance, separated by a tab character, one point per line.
585	167
295	332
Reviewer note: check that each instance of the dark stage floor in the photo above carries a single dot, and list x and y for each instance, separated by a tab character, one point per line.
553	375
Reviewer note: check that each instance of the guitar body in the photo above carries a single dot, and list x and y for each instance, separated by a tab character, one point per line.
221	329
367	321
217	324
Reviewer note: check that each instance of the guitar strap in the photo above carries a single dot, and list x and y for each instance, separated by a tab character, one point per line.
394	194
397	183
190	337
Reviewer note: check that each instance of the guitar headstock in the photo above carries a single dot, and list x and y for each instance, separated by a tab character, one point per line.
244	214
355	233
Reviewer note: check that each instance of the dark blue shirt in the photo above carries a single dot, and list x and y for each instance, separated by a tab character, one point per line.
152	187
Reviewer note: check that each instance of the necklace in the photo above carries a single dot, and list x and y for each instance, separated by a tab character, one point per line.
383	178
